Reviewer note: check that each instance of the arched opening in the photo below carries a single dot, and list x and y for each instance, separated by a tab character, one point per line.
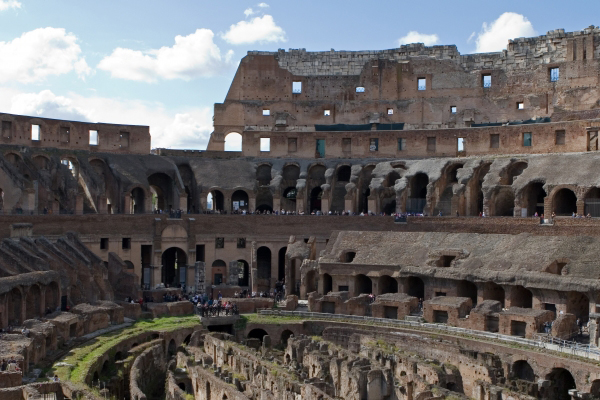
327	283
239	201
362	285
592	202
285	335
452	172
34	298
263	262
187	339
15	303
475	200
257	334
105	367
289	175
561	381
512	172
564	202
415	287
263	175
191	188
344	173
504	204
315	199
161	186
219	270
96	377
578	304
338	190
172	348
348	256
137	201
533	198
215	201
521	297
281	264
52	296
264	197
174	263
233	142
523	371
118	356
244	274
364	189
418	194
40	162
467	289
72	165
493	291
181	386
387	284
311	281
595	389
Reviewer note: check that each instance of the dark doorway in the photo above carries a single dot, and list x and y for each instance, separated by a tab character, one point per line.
174	261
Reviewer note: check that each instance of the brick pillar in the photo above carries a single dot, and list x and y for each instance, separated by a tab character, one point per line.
79	204
102	205
127	205
580	206
251	204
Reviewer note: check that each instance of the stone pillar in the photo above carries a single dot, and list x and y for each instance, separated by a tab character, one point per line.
199	276
251	204
580	207
276	203
594	328
372	204
155	275
147	204
253	268
79	204
127	205
325	205
30	200
183	205
350	204
226	203
102	205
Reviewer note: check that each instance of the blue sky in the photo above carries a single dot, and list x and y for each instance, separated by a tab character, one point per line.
165	64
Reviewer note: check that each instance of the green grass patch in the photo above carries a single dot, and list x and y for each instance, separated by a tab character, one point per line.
79	360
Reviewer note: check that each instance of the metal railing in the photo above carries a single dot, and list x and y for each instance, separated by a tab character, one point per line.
563	346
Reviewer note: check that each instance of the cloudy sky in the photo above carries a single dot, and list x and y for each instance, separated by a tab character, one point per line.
165	63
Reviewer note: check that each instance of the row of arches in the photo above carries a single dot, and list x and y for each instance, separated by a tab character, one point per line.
29	302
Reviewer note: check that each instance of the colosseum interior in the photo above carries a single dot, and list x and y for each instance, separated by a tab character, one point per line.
406	224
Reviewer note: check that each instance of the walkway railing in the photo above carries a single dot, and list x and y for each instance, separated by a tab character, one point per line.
563	346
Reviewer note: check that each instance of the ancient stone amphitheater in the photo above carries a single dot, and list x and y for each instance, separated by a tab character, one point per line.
428	220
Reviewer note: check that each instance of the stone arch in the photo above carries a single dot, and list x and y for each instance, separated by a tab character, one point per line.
316	178
417	199
263	261
264	196
561	381
564	201
523	371
288	201
285	335
452	172
174	263
172	349
475	185
138	200
327	283
592	202
219	272
521	297
190	187
515	169
15	307
216	199
595	388
504	202
33	302
338	189
240	196
281	263
415	287
316	195
344	172
52	296
234	141
364	188
263	174
41	161
244	274
533	196
387	284
467	289
71	163
162	189
362	285
257	333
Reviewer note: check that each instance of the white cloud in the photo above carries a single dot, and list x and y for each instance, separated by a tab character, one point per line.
248	12
263	5
192	56
6	4
40	53
260	29
416	37
46	104
185	129
495	36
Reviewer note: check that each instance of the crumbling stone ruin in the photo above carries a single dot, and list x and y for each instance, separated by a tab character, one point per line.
405	224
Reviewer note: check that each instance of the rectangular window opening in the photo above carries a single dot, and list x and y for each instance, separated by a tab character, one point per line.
104	244
453	110
126	244
266	112
461	144
36	132
401	144
554	74
327	113
200	252
520	105
320	148
422	84
93	138
360	89
486	80
431	144
296	87
560	137
527	139
494	141
343	288
390	111
374	144
265	144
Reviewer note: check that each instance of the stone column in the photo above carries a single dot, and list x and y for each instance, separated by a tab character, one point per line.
127	205
102	205
199	276
276	203
183	205
251	204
